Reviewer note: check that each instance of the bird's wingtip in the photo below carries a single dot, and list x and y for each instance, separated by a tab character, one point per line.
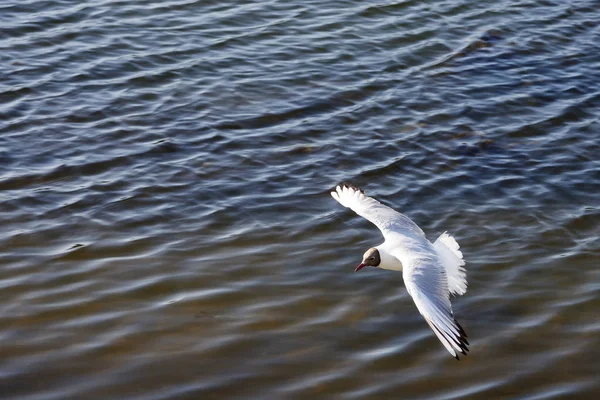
351	186
344	187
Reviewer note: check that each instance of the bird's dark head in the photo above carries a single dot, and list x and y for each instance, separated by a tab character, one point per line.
371	258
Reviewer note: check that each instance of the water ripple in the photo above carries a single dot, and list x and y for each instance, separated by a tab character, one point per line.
167	229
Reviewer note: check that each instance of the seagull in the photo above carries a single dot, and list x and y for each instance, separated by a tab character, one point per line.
431	271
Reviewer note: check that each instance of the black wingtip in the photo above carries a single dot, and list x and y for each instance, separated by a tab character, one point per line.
462	339
460	329
458	341
351	186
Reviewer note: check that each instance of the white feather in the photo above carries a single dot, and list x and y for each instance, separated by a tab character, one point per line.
426	282
452	259
390	222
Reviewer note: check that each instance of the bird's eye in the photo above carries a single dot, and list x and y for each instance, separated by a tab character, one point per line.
372	259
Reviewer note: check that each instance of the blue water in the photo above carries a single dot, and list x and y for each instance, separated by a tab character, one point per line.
167	231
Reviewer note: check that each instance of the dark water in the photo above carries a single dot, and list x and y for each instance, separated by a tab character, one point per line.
167	231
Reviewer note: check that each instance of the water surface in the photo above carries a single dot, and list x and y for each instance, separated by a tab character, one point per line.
167	231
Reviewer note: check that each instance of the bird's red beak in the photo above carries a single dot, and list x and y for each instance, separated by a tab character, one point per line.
361	266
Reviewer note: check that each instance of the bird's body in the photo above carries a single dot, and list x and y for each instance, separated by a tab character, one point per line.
431	271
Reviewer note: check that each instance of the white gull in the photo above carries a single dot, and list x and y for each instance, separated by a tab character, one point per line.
431	271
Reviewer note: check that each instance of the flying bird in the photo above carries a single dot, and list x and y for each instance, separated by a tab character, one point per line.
431	271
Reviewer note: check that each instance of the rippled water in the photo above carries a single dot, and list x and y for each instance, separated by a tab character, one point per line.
167	231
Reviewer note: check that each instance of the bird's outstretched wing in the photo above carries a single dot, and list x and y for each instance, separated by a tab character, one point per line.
387	220
426	282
